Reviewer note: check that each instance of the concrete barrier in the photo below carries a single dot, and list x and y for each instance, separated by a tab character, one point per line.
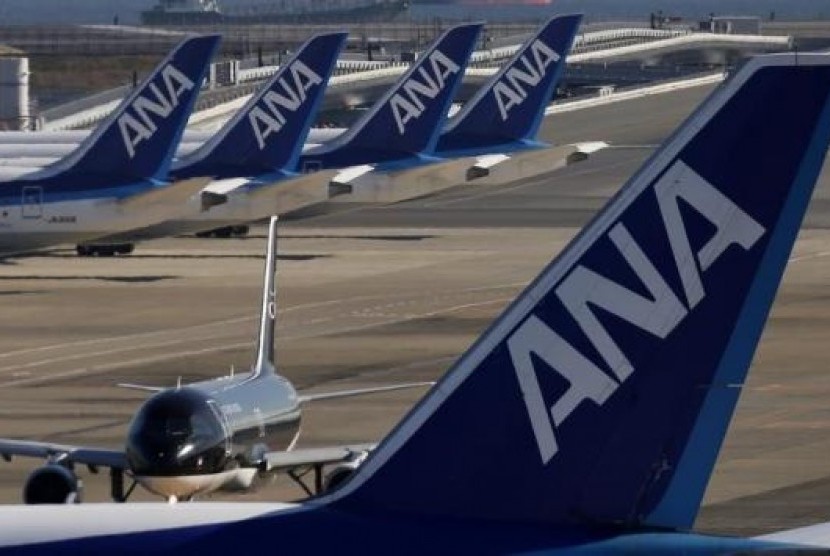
618	96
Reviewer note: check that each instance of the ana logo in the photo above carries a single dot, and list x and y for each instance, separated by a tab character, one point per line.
136	123
583	291
528	70
408	104
269	115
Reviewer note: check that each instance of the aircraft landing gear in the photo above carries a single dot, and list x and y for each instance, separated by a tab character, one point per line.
117	486
225	232
93	250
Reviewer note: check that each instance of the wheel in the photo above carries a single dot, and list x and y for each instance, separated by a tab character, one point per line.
240	231
83	251
223	232
125	248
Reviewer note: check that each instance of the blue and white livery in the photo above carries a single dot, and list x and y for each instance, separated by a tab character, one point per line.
500	121
250	162
116	179
587	419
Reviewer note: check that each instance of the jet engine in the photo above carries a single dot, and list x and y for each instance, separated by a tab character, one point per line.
342	471
52	484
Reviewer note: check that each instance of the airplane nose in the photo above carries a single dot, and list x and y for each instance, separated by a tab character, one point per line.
176	433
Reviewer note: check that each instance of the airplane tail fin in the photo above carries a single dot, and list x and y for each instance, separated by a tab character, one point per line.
602	395
269	131
406	120
510	107
265	361
137	141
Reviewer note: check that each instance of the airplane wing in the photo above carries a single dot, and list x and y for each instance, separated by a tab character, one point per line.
306	398
141	387
307	457
279	461
63	452
166	200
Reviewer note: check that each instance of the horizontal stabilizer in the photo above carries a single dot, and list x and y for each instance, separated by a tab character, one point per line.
164	202
307	398
292	193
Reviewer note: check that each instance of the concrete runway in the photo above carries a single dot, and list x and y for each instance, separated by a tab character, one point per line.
378	295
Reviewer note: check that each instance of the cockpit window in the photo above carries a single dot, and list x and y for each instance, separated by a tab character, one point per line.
177	426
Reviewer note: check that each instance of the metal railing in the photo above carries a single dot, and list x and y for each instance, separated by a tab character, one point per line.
588	47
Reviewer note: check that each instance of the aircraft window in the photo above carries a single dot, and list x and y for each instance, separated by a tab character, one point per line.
202	426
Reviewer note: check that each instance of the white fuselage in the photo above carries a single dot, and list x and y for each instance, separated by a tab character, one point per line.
33	226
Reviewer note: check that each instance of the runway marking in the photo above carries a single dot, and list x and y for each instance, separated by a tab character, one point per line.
104	367
530	182
328	384
223	322
811	256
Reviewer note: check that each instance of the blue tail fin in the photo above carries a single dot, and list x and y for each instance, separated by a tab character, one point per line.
603	393
510	107
406	120
137	141
269	131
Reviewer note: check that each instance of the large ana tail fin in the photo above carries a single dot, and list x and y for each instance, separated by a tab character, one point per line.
137	141
265	361
269	131
407	119
510	107
603	393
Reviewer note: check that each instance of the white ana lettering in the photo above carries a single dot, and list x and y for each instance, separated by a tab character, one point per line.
584	291
408	104
133	132
141	126
586	380
268	117
732	224
510	89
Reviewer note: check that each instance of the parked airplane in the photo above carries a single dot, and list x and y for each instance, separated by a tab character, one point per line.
258	183
114	180
588	418
405	123
41	148
213	435
251	158
501	119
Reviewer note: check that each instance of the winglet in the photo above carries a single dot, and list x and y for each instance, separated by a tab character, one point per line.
605	390
265	361
406	120
137	141
510	107
268	133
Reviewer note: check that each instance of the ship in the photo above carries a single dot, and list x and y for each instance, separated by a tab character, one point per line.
210	12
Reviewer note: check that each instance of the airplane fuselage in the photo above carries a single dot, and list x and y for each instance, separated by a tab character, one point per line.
31	218
211	435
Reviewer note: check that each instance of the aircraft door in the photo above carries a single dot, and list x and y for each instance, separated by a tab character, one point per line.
226	426
32	201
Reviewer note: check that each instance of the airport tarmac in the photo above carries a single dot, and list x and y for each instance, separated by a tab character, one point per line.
371	296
